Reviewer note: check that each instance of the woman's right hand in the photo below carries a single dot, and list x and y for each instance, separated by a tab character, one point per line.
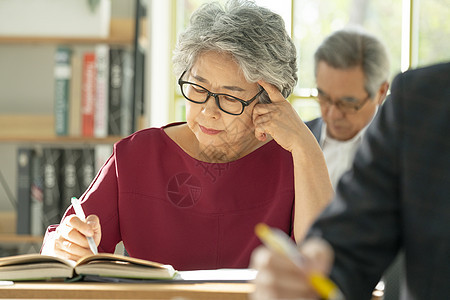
71	242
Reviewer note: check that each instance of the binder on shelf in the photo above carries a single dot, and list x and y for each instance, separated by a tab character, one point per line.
102	89
86	172
127	93
88	94
52	190
24	156
37	193
70	187
115	90
62	73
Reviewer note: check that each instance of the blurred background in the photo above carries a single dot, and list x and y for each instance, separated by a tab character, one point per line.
35	35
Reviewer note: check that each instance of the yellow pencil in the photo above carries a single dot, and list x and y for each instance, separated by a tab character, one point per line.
278	241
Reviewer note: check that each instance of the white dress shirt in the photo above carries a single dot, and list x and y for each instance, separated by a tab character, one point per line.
339	154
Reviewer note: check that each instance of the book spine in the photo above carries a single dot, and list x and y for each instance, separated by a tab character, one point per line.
86	172
102	153
88	94
52	190
71	162
24	156
62	73
75	97
37	193
101	104
115	91
127	94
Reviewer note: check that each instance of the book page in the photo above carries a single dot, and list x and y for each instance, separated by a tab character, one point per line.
34	267
114	265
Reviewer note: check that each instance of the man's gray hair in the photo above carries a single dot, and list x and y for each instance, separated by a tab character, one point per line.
254	36
353	47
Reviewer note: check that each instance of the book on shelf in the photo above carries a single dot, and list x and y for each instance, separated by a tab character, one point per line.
94	91
75	96
102	89
48	178
52	159
120	91
37	193
126	127
115	90
71	162
24	157
138	83
62	74
88	94
43	267
102	153
87	171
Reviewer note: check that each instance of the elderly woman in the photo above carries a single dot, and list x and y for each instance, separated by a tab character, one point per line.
189	194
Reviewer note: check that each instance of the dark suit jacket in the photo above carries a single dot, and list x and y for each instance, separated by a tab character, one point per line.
397	194
316	127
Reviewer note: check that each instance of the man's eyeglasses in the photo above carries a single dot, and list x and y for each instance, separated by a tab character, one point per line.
348	105
226	103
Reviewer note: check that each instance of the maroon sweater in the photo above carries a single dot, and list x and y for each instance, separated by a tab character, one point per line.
171	208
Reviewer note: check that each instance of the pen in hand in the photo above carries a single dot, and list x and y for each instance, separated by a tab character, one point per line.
279	242
80	214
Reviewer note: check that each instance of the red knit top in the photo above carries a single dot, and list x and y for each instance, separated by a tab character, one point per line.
171	208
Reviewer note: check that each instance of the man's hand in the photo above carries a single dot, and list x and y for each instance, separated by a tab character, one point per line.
280	278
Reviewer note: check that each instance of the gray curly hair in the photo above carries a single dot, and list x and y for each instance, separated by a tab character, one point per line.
351	47
254	36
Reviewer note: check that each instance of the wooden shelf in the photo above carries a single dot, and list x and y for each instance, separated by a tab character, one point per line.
40	129
20	239
60	140
62	40
121	33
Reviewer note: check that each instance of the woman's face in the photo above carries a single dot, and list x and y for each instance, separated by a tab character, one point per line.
218	73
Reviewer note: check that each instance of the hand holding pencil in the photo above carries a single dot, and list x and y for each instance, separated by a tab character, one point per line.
77	235
80	214
284	272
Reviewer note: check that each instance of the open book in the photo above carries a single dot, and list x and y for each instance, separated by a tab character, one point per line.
43	267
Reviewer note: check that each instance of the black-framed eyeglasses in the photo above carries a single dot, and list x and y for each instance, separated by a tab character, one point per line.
226	103
348	105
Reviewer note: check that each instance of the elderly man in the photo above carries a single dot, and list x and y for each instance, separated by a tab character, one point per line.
351	69
396	197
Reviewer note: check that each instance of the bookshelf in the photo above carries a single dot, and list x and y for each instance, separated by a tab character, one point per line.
24	127
40	128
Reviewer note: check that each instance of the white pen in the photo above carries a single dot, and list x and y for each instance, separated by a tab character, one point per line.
80	214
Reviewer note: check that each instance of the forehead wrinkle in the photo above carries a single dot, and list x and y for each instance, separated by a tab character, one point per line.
233	88
227	87
199	78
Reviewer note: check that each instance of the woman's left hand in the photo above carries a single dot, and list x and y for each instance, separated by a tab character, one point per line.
313	189
279	119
